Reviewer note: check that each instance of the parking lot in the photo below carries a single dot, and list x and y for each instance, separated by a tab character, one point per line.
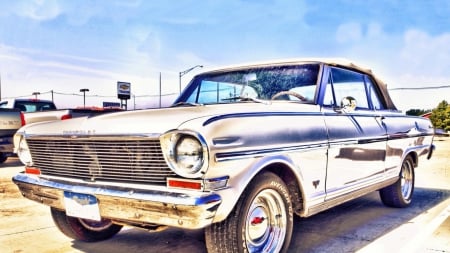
362	225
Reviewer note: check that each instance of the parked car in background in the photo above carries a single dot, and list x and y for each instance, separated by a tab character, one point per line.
38	110
241	151
28	104
10	121
33	108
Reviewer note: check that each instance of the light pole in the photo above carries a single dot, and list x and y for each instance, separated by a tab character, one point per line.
35	94
182	73
84	96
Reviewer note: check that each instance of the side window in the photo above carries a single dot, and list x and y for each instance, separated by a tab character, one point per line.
349	83
374	95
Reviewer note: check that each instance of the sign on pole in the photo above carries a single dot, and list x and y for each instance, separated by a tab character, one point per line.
123	90
111	104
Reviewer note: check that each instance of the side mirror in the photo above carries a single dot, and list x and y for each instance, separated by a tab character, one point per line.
348	104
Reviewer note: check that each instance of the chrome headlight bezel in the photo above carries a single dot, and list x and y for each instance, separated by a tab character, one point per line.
22	150
186	153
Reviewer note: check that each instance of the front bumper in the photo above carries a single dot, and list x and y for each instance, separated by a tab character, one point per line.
128	205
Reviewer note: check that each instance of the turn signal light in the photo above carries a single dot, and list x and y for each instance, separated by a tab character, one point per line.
32	171
185	184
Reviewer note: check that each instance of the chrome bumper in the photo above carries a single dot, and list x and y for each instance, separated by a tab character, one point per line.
128	205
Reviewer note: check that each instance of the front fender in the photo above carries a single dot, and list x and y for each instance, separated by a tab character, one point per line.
239	182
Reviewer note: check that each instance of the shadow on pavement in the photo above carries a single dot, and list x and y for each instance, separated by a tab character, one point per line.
345	228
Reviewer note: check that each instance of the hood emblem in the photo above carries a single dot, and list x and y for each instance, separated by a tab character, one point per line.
75	133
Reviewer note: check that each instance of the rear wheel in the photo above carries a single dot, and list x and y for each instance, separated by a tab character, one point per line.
261	221
400	193
83	229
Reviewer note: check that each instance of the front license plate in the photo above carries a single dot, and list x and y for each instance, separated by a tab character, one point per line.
83	206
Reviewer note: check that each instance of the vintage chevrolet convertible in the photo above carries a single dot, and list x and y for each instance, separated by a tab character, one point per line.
241	151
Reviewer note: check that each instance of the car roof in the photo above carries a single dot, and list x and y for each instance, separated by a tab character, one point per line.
31	100
343	62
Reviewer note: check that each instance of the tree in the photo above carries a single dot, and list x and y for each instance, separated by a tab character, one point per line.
417	112
440	116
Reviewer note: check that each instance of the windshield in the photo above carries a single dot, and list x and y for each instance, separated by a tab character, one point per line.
254	83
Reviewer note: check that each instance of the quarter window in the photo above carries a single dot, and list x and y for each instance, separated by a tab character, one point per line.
373	94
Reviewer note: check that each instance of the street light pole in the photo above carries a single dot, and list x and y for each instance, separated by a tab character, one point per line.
84	96
35	94
182	73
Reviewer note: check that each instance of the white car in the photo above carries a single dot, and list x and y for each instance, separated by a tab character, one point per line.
239	153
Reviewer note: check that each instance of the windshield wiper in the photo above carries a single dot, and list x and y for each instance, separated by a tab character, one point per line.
185	104
242	98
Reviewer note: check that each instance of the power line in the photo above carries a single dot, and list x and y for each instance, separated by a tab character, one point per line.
171	94
93	95
422	88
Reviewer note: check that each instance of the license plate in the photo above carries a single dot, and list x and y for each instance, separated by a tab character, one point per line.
83	206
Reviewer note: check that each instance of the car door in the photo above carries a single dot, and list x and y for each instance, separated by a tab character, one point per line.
357	136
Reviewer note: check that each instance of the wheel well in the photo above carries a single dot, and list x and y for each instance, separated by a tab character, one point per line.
414	157
289	178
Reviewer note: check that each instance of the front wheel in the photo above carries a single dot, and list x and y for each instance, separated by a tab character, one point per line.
400	193
83	229
261	221
3	157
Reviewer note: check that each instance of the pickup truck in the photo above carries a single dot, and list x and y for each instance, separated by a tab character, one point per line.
38	110
240	152
10	121
14	113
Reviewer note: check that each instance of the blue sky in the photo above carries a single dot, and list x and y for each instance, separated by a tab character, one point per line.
68	45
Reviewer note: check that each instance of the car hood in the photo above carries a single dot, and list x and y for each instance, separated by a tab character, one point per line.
154	121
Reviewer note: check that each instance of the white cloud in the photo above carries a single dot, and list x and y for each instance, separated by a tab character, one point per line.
375	31
425	53
151	45
23	71
38	9
349	33
423	61
412	59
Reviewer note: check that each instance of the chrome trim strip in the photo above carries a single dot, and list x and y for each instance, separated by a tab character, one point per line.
339	199
92	136
398	136
258	114
226	156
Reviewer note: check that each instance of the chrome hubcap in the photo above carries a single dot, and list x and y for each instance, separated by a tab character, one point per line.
407	180
265	227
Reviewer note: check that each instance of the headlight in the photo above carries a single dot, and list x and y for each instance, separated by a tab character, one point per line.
185	153
23	152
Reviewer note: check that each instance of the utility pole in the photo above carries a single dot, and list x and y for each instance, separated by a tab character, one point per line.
159	89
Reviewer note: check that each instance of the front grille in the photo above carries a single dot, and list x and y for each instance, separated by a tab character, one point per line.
129	160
